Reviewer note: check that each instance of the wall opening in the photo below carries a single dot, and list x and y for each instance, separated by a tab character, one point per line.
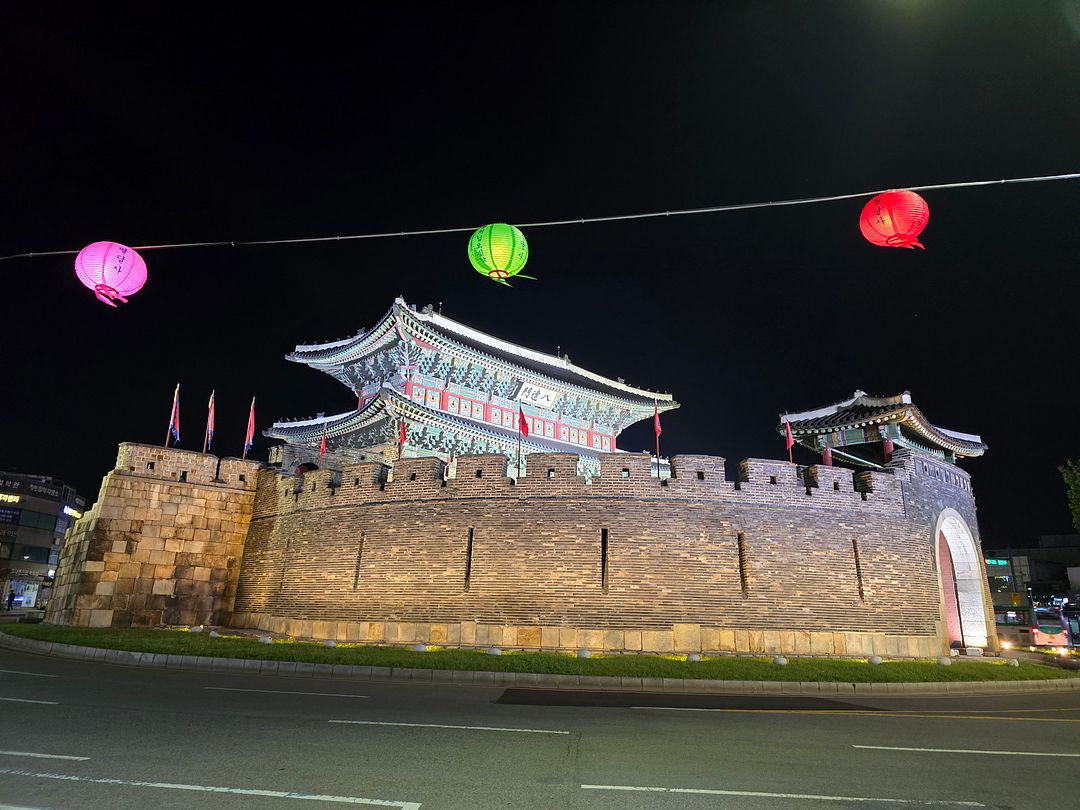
962	578
183	475
700	475
858	569
468	560
150	465
412	476
744	567
359	557
603	560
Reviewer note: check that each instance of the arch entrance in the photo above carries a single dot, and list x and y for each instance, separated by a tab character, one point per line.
960	575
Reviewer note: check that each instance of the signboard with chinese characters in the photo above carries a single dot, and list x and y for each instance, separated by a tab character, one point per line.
531	394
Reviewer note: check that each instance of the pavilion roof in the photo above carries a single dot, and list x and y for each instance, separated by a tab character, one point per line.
389	404
863	410
430	327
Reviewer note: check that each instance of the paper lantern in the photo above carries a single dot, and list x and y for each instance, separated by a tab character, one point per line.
111	270
498	251
895	219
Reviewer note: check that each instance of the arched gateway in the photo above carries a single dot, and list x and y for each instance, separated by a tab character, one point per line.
961	577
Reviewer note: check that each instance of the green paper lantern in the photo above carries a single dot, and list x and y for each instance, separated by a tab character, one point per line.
498	251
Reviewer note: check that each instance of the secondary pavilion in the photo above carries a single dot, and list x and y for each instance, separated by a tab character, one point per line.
457	390
864	430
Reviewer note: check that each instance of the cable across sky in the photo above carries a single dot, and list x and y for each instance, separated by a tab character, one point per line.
714	209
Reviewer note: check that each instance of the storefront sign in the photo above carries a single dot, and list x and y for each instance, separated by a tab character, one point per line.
72	512
29	486
6	498
9	515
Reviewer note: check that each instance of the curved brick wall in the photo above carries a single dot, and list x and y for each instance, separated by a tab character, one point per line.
354	556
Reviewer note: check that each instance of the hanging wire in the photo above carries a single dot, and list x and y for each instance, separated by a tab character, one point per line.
579	221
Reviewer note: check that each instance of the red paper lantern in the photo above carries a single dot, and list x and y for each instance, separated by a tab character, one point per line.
895	219
111	270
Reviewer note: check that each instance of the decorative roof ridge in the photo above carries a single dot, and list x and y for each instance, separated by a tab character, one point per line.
860	397
956	434
306	352
319	420
441	321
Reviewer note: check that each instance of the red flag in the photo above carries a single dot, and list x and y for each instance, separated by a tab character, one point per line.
402	436
208	438
174	418
656	419
249	437
523	426
789	440
322	447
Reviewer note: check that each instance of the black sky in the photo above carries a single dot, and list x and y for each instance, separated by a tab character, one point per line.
160	124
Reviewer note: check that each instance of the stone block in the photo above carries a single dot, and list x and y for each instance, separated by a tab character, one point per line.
710	638
375	631
105	588
614	640
726	642
568	638
771	641
164	587
467	633
528	637
438	634
549	638
632	640
821	643
100	618
686	637
659	641
591	639
756	641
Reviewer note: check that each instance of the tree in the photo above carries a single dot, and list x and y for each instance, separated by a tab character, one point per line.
1070	471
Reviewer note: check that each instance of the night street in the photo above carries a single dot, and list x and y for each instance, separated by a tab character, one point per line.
81	735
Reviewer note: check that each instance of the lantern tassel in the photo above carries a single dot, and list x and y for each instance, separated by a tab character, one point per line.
106	295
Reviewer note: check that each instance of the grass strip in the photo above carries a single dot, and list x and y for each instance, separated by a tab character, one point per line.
729	668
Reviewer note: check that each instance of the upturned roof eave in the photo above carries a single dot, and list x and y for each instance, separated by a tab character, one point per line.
328	355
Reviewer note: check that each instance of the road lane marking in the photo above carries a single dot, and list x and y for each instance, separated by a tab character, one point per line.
281	692
20	672
24	700
763	794
440	725
966	751
883	714
40	756
272	794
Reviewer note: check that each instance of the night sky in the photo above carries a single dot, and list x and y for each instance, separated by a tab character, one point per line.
163	124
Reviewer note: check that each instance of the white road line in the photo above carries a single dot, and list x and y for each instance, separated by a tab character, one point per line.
24	700
272	794
967	751
40	756
17	807
440	725
20	672
762	794
281	692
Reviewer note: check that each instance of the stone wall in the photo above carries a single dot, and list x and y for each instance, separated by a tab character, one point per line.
814	560
162	544
766	563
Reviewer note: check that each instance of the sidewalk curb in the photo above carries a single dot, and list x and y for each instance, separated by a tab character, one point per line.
352	672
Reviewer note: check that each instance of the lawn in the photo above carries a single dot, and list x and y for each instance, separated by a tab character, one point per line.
183	642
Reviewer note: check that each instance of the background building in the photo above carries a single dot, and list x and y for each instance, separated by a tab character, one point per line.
35	511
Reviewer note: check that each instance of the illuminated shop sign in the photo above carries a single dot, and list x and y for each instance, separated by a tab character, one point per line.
534	395
6	498
73	512
29	485
996	562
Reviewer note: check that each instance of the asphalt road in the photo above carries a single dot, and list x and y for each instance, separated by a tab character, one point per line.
76	735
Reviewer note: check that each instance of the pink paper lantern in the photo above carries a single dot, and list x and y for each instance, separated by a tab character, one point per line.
111	270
